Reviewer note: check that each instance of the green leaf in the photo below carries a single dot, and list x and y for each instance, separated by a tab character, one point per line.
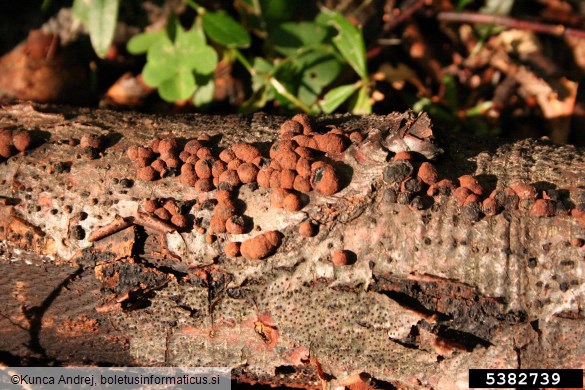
204	92
162	52
193	53
154	74
180	87
361	104
161	62
261	74
336	97
224	30
479	109
319	70
288	38
102	18
349	42
450	92
80	10
140	43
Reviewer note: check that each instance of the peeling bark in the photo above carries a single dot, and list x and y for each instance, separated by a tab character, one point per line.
432	292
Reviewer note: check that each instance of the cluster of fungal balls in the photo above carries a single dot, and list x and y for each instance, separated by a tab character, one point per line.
417	185
13	142
167	210
295	166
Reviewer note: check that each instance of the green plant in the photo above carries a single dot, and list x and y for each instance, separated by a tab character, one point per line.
299	63
471	119
180	63
297	67
102	23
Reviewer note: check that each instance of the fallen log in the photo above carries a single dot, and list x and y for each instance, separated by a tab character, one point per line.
481	270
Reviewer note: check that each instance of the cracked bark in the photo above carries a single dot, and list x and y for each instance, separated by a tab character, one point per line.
430	295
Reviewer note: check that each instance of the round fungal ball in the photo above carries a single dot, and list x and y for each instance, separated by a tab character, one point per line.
188	176
179	221
542	208
154	145
204	153
262	245
217	225
192	146
292	202
247	173
263	177
218	168
471	184
159	165
6	150
172	207
307	229
460	194
291	127
149	205
236	225
163	213
356	137
524	191
90	141
145	153
230	177
287	159
21	140
428	173
341	257
132	152
147	174
167	146
227	155
407	156
277	196
281	146
275	179
234	164
245	151
224	197
302	184
330	143
324	180
204	185
203	168
303	167
224	211
287	179
489	207
232	249
185	156
304	120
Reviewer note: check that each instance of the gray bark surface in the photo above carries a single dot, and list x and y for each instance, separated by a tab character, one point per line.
431	294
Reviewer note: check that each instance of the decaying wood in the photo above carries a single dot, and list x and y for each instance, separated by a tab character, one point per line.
431	294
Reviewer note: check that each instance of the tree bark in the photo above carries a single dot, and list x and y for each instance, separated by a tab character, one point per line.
432	292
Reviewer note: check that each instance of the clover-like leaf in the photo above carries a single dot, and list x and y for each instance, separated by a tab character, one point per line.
140	43
204	91
180	87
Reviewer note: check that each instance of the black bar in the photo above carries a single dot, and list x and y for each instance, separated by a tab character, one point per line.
525	378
